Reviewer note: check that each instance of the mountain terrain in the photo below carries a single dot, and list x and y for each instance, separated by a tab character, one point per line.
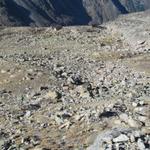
76	88
66	12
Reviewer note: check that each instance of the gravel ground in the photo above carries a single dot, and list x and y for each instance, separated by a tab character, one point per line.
76	88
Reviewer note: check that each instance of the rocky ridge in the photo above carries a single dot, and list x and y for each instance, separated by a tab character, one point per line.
68	12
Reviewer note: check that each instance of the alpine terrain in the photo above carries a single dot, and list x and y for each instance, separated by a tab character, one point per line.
66	12
76	88
74	75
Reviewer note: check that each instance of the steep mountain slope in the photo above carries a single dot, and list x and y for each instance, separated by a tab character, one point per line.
45	12
66	12
104	10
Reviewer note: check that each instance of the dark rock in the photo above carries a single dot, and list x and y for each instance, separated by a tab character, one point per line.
43	88
77	79
57	27
31	107
107	114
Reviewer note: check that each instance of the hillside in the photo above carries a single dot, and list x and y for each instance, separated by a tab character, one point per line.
80	87
66	12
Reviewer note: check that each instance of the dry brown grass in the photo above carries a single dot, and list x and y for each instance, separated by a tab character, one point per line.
106	56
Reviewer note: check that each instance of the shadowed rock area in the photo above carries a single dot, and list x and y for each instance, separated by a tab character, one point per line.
66	12
43	12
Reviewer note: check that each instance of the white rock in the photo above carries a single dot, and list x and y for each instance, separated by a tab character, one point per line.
141	102
58	120
133	123
78	117
145	111
12	76
1	143
64	74
124	117
51	94
121	138
132	138
146	130
136	134
117	122
140	144
107	139
70	80
129	95
28	114
134	104
142	118
123	83
3	71
65	125
147	123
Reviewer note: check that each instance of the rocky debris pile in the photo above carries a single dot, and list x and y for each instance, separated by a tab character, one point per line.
62	95
97	94
121	138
